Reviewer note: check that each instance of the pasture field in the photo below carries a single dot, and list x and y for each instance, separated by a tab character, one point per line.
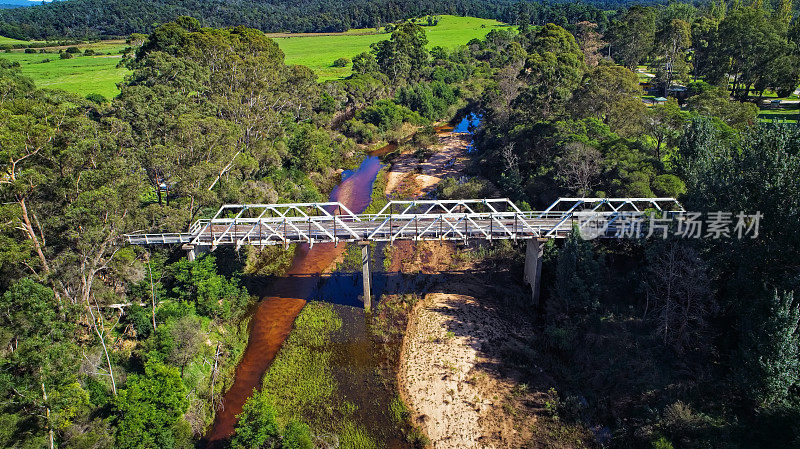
319	51
99	74
8	40
82	75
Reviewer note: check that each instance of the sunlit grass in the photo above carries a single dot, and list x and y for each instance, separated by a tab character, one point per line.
319	52
82	75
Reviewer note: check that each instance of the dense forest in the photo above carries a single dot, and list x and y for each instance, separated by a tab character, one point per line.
105	345
98	18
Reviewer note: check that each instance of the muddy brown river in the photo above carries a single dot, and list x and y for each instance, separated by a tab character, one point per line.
273	318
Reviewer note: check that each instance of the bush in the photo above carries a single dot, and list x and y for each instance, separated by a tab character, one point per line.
89	52
199	283
30	50
258	425
388	115
65	55
96	98
73	50
452	189
668	186
362	132
297	436
662	443
341	62
150	408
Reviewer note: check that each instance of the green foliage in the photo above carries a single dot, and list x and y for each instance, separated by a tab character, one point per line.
451	188
669	186
715	102
578	285
150	408
404	54
297	436
257	426
662	443
387	115
553	68
341	62
429	100
633	35
769	353
214	295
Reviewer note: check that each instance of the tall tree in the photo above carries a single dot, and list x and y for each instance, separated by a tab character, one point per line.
769	353
553	69
590	42
632	35
745	43
404	53
611	93
672	44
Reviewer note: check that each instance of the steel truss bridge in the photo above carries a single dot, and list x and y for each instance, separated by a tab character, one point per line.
451	220
444	220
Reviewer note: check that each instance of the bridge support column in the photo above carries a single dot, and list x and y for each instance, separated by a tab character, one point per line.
533	267
195	251
367	276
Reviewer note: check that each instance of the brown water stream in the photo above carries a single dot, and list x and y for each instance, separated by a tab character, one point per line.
275	314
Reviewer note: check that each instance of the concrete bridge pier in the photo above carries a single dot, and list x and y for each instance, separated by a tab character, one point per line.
534	249
366	275
195	251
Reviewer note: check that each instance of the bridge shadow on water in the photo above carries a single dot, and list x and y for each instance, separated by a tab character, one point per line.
346	288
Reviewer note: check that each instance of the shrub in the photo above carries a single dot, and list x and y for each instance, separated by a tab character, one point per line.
30	50
362	132
662	443
297	436
65	55
89	52
73	50
668	186
388	115
214	295
453	189
96	98
258	425
341	62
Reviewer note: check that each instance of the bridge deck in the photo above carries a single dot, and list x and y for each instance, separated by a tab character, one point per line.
284	224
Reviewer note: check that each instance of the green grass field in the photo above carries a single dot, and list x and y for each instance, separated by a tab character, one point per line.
789	115
319	52
8	40
99	74
82	75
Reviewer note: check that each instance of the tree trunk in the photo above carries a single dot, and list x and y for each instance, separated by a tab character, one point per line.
152	292
100	335
32	234
47	416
